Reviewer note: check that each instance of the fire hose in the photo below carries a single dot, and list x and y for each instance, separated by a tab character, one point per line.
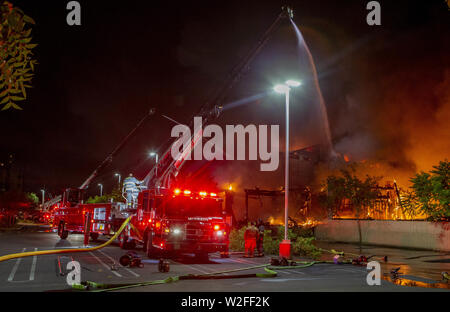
269	273
67	250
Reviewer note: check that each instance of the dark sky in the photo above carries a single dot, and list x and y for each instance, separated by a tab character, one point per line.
94	82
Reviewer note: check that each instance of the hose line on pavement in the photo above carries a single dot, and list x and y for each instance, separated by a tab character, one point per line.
67	250
269	273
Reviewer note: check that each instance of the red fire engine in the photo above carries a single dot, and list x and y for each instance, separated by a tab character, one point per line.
172	221
72	216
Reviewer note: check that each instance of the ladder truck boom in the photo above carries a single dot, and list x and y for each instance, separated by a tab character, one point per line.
119	147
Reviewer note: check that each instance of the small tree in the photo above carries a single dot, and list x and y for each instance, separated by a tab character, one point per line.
361	193
32	197
16	61
115	195
432	191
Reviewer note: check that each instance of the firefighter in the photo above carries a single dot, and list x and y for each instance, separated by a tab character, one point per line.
260	241
250	237
131	186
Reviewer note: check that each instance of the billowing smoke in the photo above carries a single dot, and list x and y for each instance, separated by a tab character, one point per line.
400	120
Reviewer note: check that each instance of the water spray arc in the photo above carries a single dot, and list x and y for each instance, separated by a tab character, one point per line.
302	46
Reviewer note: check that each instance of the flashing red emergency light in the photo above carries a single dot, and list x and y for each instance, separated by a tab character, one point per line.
213	194
216	227
177	191
187	192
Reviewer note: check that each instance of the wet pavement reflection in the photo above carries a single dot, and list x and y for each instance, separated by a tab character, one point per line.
418	268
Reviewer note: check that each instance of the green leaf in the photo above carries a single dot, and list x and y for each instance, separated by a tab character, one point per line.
23	90
17	98
11	105
14	91
28	19
6	99
25	40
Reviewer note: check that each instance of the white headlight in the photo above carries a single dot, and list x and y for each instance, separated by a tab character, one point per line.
219	233
176	231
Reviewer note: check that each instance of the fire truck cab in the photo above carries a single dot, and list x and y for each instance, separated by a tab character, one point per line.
174	221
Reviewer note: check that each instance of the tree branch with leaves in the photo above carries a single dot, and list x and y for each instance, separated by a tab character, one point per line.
432	191
16	56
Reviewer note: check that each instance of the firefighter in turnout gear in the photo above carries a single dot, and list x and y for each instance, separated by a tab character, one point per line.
250	237
131	186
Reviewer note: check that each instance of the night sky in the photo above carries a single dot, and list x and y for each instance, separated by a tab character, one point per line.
94	82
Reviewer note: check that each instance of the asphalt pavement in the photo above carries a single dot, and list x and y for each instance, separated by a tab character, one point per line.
49	272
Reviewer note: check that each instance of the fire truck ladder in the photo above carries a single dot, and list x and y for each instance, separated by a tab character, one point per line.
51	202
168	167
119	147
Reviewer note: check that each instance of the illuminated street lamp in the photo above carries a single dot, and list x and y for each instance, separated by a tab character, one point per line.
118	175
153	154
101	189
285	245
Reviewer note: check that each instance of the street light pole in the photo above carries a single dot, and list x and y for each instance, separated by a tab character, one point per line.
118	175
286	171
285	246
156	162
101	189
43	198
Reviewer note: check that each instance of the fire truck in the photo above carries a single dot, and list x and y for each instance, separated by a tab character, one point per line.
73	216
176	220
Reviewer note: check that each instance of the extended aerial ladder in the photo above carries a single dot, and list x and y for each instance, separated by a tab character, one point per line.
163	173
76	194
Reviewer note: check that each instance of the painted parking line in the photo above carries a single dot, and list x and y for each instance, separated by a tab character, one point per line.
351	271
298	272
192	267
242	261
33	266
15	267
105	265
126	269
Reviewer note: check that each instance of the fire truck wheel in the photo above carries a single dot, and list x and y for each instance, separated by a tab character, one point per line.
149	249
94	236
62	232
123	241
124	260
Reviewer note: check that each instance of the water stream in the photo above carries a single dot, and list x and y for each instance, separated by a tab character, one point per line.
303	47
